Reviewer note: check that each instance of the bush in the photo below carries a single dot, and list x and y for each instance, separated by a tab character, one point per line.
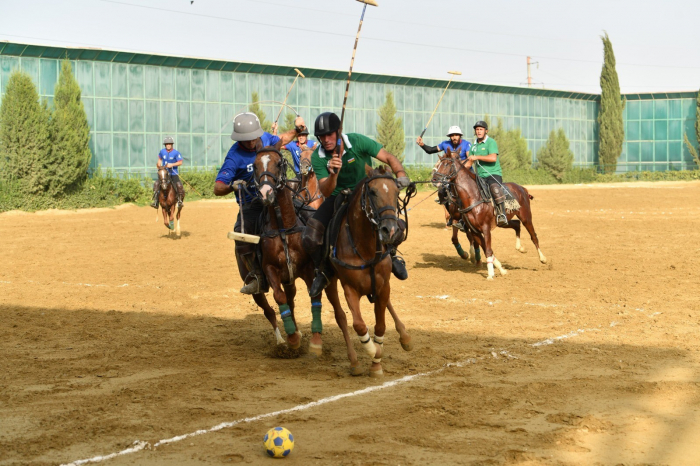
556	156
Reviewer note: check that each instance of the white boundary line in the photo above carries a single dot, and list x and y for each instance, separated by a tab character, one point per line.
141	445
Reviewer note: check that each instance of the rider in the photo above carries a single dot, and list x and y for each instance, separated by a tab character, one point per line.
236	170
336	174
303	143
170	159
484	151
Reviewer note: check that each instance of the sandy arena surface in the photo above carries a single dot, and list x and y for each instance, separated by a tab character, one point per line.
112	333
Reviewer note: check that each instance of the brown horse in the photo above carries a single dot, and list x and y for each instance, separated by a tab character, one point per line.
361	258
309	189
284	258
167	198
477	214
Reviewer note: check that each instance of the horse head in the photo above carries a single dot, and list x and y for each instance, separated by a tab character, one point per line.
445	171
163	178
380	194
270	173
305	163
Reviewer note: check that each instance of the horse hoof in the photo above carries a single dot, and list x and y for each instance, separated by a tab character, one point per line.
376	374
504	272
356	370
316	350
407	346
292	342
522	250
489	277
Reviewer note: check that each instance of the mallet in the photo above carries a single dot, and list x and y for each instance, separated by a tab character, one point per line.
299	73
352	62
453	73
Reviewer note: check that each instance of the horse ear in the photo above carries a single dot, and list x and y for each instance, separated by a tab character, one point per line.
278	146
448	152
368	170
258	144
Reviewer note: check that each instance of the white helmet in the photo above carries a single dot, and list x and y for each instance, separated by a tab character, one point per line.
454	130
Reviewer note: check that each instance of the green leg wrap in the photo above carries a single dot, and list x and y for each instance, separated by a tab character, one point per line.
286	314
171	225
460	251
316	324
477	253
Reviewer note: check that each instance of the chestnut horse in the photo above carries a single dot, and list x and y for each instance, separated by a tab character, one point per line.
309	189
167	198
478	214
284	258
361	258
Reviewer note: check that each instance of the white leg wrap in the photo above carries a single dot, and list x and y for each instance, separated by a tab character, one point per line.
500	268
278	336
489	266
542	258
517	243
368	344
379	340
377	360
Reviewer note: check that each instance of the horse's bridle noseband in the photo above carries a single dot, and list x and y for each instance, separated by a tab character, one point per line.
276	183
368	206
446	178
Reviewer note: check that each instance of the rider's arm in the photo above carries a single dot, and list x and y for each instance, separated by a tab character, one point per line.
176	164
484	158
430	149
222	189
291	134
392	161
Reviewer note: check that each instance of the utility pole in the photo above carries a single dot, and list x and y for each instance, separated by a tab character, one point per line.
529	73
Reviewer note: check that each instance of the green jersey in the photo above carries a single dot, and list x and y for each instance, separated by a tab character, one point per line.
486	147
359	151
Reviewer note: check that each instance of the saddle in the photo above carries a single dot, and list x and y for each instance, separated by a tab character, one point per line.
340	207
511	203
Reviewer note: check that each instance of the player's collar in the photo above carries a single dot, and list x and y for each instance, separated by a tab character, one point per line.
347	145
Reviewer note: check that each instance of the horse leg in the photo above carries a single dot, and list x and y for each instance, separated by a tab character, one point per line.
404	337
290	292
379	329
486	234
474	250
166	215
177	228
455	242
270	315
293	337
515	225
342	321
526	218
353	300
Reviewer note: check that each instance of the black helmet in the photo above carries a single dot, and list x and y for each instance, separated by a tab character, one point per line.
326	123
482	124
304	132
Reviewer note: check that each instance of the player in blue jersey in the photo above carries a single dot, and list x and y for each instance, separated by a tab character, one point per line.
236	170
303	143
170	159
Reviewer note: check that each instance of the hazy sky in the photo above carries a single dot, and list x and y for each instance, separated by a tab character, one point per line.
657	44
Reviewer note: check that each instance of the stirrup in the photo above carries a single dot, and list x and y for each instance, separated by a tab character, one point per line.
501	220
252	287
319	284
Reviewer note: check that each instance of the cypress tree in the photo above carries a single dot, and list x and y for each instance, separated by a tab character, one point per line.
288	123
695	152
390	132
556	156
24	134
255	107
611	129
66	170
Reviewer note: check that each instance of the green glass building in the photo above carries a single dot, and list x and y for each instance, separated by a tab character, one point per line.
133	100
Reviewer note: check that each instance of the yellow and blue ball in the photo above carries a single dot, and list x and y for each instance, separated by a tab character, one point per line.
278	442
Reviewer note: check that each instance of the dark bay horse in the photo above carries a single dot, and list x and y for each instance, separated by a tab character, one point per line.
284	258
167	198
477	214
361	258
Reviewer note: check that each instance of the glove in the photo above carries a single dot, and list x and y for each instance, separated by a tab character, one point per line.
238	183
403	182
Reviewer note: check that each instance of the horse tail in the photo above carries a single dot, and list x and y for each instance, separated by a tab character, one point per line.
527	193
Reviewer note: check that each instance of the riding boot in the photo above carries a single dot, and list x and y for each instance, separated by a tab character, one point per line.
154	202
398	265
180	194
501	219
442	196
255	281
313	243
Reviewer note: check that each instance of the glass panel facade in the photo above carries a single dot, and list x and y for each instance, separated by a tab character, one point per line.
131	107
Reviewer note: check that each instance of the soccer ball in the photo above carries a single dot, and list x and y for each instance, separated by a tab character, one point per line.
278	442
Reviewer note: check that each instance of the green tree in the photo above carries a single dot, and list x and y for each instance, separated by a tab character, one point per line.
66	169
390	132
24	134
255	107
611	129
288	123
695	152
512	146
556	156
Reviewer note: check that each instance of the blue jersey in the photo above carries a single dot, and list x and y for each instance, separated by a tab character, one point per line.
238	165
294	148
463	148
169	157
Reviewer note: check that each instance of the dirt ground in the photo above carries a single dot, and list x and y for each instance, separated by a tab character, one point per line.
111	332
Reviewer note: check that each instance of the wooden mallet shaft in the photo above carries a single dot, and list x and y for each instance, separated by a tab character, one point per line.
453	74
299	73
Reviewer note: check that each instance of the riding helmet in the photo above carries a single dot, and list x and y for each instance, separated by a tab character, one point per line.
326	123
454	130
304	132
168	140
481	124
246	127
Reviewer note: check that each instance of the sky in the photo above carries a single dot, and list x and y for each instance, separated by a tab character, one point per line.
655	43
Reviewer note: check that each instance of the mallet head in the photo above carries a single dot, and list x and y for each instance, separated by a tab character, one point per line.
299	73
369	2
457	73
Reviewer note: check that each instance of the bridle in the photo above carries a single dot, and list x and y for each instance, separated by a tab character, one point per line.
446	178
268	178
165	178
305	167
369	207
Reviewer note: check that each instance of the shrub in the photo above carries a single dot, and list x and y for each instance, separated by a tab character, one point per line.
556	156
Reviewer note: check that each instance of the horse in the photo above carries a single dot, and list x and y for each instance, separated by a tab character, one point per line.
284	258
361	259
309	189
167	198
477	214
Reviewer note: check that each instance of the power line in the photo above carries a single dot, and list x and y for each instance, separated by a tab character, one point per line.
374	39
